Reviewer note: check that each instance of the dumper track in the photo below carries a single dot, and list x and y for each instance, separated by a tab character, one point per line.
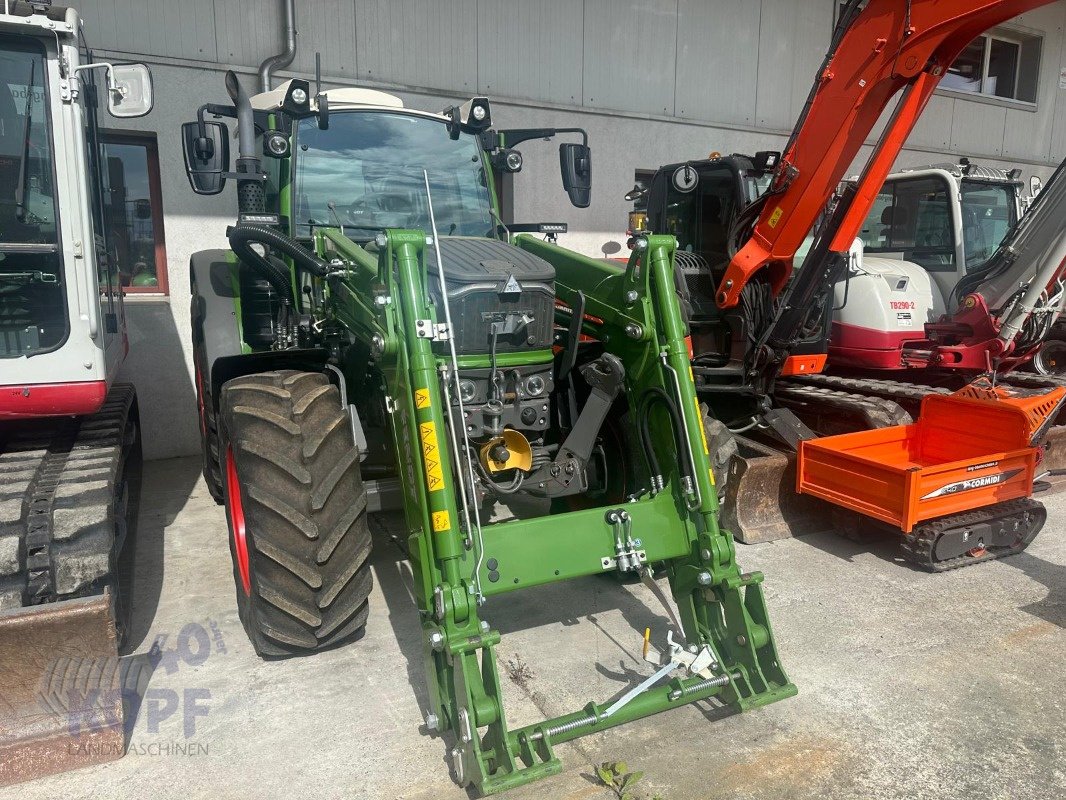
63	502
1022	519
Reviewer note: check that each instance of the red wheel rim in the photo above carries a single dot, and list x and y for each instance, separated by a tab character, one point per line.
236	520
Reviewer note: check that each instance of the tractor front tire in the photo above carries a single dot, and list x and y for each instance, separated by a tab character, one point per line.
297	512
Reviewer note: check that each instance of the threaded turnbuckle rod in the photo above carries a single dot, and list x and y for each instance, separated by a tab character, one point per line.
695	688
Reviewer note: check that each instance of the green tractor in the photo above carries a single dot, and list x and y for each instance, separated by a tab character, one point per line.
376	337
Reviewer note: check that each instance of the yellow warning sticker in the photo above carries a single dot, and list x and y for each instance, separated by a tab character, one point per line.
422	398
441	521
431	454
775	217
703	433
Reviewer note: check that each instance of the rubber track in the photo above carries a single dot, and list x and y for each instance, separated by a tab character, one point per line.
877	412
918	546
895	391
911	394
305	511
57	503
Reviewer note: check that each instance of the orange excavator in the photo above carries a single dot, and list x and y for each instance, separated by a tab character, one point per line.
959	493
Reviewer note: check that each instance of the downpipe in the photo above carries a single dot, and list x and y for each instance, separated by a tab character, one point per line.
285	57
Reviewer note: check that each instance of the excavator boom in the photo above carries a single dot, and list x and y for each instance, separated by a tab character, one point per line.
889	48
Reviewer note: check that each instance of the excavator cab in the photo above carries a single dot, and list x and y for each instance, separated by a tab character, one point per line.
68	432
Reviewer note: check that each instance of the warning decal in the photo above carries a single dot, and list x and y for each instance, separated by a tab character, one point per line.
775	217
441	521
431	454
422	398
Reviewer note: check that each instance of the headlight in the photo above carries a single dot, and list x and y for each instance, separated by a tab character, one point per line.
467	391
276	144
299	96
534	385
479	113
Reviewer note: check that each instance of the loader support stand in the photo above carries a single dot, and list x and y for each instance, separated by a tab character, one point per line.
456	569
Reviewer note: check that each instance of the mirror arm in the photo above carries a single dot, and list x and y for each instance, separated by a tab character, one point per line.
515	136
111	86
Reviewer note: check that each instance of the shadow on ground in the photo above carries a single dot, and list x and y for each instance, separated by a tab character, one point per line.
166	488
1053	607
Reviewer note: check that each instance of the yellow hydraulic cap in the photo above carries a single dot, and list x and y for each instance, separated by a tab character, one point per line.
510	451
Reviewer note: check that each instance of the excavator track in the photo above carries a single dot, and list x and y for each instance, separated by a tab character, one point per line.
872	411
907	395
910	395
70	490
962	540
63	503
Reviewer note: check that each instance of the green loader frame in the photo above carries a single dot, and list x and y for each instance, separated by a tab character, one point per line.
634	313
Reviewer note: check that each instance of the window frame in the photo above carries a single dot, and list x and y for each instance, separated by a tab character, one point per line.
149	142
1019	38
986	61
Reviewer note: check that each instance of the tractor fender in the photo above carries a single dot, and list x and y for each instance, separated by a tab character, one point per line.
215	298
214	276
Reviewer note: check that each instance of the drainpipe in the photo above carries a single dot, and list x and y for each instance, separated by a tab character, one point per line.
284	58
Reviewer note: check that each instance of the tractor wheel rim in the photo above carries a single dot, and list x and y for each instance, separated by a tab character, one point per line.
236	519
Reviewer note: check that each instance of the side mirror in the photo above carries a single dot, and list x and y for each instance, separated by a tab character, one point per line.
1035	186
130	93
207	156
575	161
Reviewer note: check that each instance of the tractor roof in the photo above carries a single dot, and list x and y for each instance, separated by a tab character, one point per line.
342	98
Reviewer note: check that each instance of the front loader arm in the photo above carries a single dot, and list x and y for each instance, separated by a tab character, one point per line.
891	46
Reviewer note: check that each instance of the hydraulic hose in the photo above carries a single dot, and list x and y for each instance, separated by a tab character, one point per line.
241	238
651	396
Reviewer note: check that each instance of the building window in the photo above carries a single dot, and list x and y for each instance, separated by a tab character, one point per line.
1002	63
998	65
133	212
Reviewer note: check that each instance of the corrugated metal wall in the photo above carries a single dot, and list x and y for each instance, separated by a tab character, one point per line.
746	64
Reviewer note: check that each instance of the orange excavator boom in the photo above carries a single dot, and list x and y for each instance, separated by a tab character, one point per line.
889	48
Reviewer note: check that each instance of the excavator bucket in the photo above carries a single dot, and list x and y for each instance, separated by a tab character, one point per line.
761	504
60	689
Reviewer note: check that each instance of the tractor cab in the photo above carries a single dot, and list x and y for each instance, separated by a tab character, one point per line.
358	160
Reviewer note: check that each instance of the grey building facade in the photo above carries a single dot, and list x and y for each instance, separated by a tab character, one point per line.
653	82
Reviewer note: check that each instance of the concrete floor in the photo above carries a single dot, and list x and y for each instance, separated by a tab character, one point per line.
911	685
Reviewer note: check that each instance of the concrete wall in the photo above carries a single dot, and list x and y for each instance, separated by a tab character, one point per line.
652	82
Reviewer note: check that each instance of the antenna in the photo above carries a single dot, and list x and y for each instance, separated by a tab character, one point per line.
318	73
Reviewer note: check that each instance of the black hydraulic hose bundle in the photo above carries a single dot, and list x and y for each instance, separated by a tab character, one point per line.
241	238
657	395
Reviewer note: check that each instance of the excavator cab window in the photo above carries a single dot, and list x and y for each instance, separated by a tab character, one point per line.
988	212
911	219
700	218
32	303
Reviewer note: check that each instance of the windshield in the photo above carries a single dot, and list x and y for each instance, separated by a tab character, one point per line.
365	173
27	204
988	212
911	218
